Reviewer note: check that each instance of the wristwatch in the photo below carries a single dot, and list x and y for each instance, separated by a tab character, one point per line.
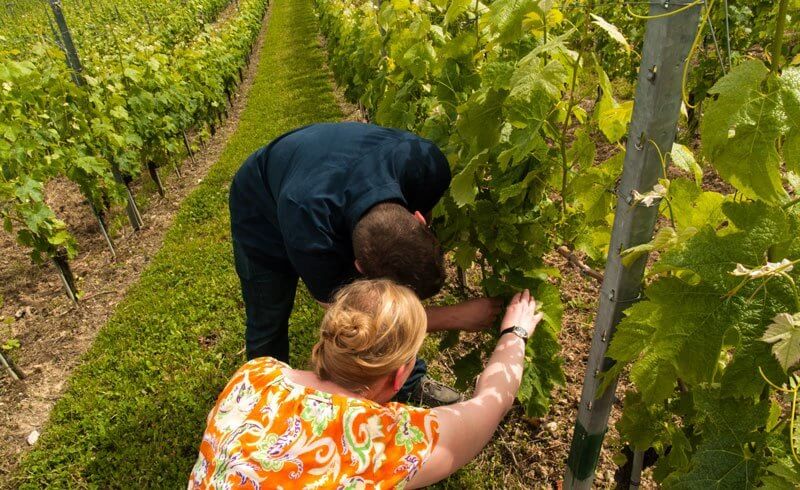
518	331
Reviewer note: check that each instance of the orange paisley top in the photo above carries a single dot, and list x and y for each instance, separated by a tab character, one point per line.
268	432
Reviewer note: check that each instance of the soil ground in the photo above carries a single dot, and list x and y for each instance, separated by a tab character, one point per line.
53	333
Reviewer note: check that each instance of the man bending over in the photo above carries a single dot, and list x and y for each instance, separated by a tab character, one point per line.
333	202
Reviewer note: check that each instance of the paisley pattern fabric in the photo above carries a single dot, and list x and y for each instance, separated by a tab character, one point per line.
268	432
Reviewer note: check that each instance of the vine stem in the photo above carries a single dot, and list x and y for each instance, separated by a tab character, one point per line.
570	106
777	42
564	129
791	203
663	159
794	289
793	391
575	261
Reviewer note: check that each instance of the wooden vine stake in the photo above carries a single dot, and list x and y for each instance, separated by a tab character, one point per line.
667	43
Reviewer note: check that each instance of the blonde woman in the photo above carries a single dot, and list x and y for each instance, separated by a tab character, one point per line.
334	427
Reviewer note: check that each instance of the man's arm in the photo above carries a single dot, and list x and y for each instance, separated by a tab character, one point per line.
473	315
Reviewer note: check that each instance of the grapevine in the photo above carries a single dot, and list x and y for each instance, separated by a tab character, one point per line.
497	84
141	86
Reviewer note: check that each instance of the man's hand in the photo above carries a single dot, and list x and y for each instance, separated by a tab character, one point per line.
478	314
472	316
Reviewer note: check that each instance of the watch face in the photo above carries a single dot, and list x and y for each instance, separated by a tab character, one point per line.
521	332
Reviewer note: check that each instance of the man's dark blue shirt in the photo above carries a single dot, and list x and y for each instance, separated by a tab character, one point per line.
294	203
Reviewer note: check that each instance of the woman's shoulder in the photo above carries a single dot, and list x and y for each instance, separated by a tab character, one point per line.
264	364
261	372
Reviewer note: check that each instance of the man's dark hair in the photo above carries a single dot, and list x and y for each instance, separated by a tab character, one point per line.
389	242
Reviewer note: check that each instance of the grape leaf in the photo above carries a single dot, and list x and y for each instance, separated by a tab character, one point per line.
665	238
754	228
543	371
740	129
464	256
655	374
783	472
641	424
593	188
684	159
784	334
612	31
456	8
790	95
534	87
582	152
692	207
467	368
460	46
634	333
614	120
480	118
595	241
514	190
463	187
692	322
533	77
732	449
505	18
680	450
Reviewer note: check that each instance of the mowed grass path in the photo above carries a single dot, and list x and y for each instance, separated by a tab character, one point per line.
134	412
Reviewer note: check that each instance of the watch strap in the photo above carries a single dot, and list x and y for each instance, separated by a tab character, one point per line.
516	330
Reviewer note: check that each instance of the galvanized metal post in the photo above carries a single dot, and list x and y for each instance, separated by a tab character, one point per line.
12	368
73	60
655	115
64	40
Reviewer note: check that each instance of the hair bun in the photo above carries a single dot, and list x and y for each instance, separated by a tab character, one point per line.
351	330
372	328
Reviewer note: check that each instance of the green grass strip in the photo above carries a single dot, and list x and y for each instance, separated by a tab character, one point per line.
134	411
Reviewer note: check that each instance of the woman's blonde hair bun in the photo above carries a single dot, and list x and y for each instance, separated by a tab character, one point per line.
371	329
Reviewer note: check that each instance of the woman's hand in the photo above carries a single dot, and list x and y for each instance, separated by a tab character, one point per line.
493	396
521	312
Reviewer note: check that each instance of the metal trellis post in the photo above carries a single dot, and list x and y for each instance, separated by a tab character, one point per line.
74	63
653	127
73	60
76	71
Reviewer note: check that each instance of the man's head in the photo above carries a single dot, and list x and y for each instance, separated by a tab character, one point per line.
390	242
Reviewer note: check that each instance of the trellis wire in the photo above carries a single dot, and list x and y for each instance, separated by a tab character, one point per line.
728	35
716	44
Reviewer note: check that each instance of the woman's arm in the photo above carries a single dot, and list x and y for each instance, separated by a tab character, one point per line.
494	394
